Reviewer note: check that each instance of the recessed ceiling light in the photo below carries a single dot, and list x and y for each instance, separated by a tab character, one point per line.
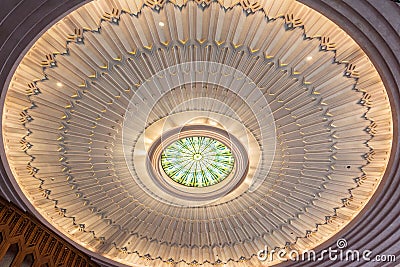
59	84
213	123
161	24
308	58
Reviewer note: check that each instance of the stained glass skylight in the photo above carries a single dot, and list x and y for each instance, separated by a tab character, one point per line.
197	161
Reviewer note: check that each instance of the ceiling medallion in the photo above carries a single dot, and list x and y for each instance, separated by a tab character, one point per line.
220	165
85	129
197	161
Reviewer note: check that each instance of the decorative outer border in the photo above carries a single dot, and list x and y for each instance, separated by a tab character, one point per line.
382	50
32	238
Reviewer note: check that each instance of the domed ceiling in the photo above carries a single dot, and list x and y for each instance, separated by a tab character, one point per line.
196	132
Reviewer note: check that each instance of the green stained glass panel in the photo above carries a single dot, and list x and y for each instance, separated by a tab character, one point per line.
197	161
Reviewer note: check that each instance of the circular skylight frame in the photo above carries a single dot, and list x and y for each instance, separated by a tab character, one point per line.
197	194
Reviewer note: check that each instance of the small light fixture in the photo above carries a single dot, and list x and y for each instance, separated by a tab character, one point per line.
161	24
308	58
59	84
218	262
147	259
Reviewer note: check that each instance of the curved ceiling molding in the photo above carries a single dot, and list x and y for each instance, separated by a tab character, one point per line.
298	93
